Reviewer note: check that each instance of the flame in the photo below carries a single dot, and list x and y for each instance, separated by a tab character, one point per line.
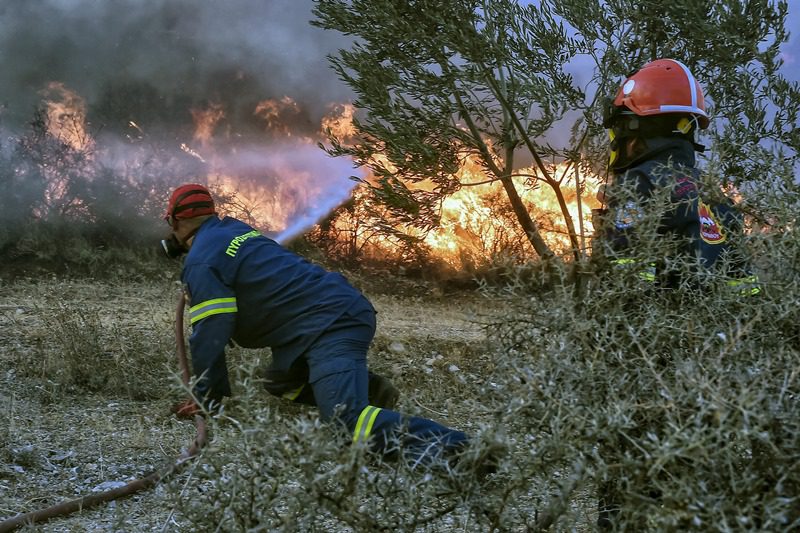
283	184
278	116
206	121
284	189
339	122
65	116
477	223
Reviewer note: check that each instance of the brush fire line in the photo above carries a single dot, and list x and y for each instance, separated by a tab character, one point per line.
289	187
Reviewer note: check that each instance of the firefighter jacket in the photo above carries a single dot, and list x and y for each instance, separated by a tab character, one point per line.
247	288
702	227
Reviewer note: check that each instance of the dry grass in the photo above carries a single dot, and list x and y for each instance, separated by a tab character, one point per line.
687	399
90	376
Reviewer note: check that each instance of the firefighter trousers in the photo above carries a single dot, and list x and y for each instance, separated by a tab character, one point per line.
339	380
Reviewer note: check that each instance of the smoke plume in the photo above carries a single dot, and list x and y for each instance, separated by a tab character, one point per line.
225	88
184	50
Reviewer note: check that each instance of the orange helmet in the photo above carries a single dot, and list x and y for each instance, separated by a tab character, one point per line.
660	87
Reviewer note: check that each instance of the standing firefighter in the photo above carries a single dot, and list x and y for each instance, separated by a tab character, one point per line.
652	121
245	287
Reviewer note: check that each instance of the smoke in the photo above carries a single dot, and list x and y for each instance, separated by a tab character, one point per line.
144	71
185	50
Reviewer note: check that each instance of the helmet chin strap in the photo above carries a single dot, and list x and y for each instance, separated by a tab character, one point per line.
620	133
626	126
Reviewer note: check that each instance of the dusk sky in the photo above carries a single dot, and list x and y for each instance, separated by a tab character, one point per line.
791	51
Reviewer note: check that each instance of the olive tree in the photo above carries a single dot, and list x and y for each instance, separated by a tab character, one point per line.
497	80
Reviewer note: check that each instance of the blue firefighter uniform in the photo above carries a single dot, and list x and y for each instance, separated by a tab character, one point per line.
247	288
703	232
703	228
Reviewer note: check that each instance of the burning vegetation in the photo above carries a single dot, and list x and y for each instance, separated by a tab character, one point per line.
273	175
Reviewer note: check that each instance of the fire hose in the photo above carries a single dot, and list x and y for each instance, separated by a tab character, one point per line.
137	485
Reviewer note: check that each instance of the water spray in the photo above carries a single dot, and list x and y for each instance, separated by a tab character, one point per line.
299	176
307	219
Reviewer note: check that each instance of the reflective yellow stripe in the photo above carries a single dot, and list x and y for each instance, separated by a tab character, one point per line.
292	395
741	281
212	307
747	286
365	422
648	273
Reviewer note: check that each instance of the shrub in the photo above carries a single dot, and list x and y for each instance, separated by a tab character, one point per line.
78	347
274	466
679	404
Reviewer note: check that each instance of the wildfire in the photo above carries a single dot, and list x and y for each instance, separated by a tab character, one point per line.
270	203
205	122
279	116
65	116
475	221
340	121
283	183
477	224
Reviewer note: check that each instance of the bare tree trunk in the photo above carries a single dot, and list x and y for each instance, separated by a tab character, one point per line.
525	220
562	203
516	124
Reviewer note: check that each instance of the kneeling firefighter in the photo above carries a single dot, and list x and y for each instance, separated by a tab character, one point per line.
247	288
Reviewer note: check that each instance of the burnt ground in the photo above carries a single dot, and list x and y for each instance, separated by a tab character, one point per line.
89	376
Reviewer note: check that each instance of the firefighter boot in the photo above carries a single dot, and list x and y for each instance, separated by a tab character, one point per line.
381	392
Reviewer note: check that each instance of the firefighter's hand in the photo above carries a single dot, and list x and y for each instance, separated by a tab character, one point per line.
186	409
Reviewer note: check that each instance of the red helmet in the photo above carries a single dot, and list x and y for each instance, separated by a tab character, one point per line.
188	201
663	86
